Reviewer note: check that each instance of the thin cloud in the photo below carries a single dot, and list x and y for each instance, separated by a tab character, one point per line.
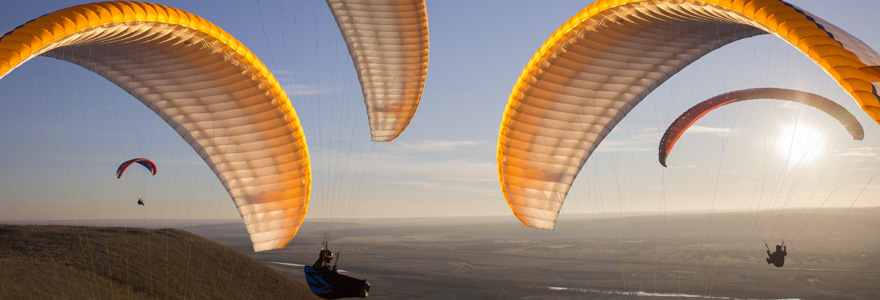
734	184
305	90
709	130
446	170
420	184
683	167
459	175
163	162
861	152
649	141
410	165
695	129
866	186
448	187
637	143
442	146
283	73
286	77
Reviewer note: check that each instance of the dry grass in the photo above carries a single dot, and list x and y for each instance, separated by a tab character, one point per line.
68	262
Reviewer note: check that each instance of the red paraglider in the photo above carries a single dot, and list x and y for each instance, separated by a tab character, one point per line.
142	161
688	118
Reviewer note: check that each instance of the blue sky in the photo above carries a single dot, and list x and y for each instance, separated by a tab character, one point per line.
64	130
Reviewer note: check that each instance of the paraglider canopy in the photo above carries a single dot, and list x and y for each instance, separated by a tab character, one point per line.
591	72
141	161
388	43
695	113
218	96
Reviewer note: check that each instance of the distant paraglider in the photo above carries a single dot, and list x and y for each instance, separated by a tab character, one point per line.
141	161
689	117
148	164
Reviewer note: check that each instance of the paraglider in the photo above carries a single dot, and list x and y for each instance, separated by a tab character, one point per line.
591	72
688	118
777	258
148	164
388	43
205	84
151	167
325	281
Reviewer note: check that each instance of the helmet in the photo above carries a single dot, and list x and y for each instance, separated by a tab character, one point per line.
778	247
328	256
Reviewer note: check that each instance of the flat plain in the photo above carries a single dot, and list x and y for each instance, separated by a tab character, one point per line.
832	254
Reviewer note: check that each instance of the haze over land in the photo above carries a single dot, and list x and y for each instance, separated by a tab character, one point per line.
833	254
615	258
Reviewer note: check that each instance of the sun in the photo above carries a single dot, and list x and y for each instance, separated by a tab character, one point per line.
799	142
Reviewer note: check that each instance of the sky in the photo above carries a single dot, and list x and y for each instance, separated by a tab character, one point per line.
64	129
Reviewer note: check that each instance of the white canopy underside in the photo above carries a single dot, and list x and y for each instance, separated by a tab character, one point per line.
218	104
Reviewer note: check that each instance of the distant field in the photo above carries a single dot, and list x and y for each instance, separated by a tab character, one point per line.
833	254
639	257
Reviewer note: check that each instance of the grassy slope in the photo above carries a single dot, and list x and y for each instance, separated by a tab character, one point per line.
53	262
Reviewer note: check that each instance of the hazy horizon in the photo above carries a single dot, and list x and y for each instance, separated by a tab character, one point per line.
340	228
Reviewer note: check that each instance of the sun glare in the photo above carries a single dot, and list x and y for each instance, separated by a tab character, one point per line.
799	142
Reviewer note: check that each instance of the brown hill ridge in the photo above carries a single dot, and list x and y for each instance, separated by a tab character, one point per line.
72	262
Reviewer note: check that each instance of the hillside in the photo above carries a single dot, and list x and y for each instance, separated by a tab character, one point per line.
71	262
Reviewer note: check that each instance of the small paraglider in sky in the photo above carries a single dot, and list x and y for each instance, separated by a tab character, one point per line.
148	164
141	161
695	113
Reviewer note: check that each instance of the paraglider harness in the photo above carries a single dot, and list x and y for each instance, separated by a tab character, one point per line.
777	258
326	282
141	202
